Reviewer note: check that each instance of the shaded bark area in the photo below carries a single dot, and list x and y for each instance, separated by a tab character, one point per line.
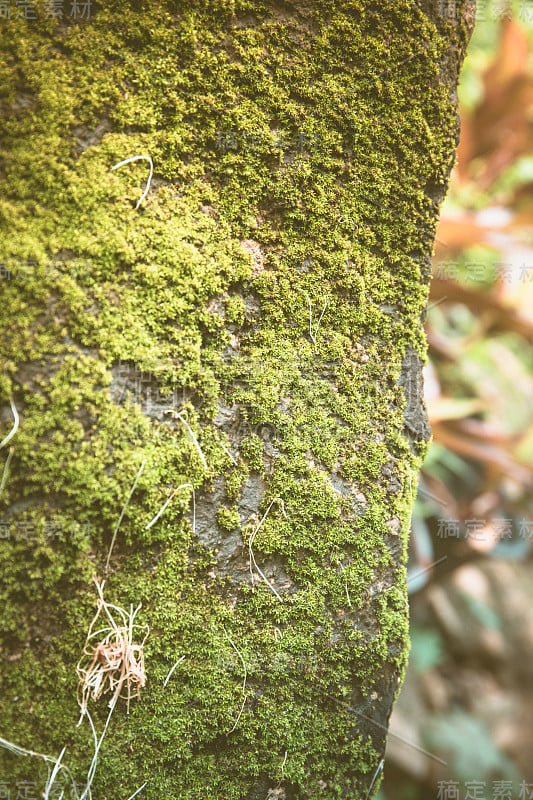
269	291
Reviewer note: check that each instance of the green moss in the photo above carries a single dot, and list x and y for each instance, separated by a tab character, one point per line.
251	448
228	518
235	480
235	308
163	318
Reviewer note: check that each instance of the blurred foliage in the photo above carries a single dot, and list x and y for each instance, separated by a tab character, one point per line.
426	648
469	747
479	380
479	396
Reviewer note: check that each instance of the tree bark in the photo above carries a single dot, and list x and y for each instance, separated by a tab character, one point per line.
250	331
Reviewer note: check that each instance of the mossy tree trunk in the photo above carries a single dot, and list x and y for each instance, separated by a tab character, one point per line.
269	290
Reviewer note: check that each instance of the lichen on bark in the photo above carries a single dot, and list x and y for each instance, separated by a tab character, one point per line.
298	149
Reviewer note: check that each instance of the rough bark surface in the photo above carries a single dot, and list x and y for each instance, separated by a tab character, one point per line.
301	151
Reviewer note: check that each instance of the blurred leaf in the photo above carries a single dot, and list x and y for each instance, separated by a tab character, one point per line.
499	127
426	649
492	456
450	408
443	463
455	234
502	315
518	174
482	612
510	61
513	550
468	745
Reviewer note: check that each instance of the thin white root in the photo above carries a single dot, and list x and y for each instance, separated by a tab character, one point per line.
122	514
97	745
244	682
283	765
172	670
137	792
51	779
229	454
5	471
395	589
136	158
311	334
193	437
380	767
253	562
182	486
21	751
397	736
346	587
240	714
424	570
14	429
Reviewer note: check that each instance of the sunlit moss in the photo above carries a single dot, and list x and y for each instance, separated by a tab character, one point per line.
343	213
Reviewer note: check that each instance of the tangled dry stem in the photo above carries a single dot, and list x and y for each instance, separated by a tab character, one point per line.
116	663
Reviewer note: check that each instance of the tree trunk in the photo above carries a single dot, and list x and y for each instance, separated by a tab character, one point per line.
252	328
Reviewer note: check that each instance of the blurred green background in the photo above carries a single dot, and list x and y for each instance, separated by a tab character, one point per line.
461	729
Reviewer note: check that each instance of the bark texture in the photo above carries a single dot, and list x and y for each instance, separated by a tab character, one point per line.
270	288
